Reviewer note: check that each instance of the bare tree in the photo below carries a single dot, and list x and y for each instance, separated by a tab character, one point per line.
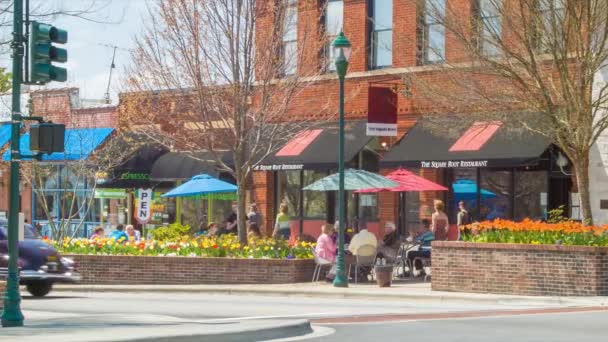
65	189
510	56
221	75
49	11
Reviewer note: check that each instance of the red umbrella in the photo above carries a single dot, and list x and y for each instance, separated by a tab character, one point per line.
408	181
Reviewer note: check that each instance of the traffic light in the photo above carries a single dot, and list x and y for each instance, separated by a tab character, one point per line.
47	138
42	53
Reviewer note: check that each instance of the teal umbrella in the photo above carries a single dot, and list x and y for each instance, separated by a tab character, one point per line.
201	185
353	180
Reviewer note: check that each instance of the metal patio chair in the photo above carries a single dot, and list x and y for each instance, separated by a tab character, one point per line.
320	263
365	256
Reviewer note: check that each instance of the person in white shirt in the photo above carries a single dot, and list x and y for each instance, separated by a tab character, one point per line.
363	237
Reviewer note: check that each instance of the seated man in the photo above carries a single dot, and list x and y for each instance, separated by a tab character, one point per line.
389	246
424	238
119	234
363	237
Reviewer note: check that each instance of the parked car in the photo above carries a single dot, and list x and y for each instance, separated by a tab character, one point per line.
40	265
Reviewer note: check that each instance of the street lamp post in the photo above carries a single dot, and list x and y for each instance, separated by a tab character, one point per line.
342	50
12	316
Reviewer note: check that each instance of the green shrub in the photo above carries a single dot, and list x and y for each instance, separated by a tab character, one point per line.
172	232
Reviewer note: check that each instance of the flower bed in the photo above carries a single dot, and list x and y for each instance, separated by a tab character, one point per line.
204	260
537	233
225	246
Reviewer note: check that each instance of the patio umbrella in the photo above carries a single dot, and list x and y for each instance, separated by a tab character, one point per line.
466	189
408	181
201	185
204	186
353	180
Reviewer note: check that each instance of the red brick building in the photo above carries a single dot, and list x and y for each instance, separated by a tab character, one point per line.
394	42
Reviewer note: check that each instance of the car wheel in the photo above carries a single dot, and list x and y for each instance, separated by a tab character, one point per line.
40	288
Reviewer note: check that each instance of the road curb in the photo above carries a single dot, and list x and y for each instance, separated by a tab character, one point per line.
280	331
352	294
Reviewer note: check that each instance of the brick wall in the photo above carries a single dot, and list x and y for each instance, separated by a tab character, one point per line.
63	106
97	269
535	270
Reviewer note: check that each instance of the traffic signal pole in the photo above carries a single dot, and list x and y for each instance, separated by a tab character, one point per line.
12	316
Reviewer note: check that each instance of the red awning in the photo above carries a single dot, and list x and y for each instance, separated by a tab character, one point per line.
408	181
476	136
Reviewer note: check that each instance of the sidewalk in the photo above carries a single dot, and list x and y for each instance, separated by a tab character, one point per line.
59	327
410	291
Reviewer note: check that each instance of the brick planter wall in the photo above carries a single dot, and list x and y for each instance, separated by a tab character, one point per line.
97	269
536	270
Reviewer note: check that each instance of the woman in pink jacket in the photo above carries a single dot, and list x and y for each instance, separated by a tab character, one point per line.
326	248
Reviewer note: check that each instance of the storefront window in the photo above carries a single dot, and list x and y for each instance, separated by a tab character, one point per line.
289	190
531	195
495	194
315	202
368	208
464	188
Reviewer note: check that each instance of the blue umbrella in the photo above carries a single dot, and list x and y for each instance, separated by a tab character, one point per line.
201	185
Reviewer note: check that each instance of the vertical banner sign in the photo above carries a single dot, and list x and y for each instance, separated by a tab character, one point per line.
144	201
382	112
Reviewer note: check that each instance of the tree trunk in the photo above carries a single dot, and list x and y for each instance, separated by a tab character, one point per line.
581	168
242	213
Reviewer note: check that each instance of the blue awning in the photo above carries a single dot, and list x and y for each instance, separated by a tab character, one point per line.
79	144
5	134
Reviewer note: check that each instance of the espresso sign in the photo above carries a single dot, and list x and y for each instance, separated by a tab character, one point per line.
450	164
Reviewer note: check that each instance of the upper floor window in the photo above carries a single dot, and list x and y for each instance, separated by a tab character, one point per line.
551	19
334	19
381	17
290	37
432	31
490	26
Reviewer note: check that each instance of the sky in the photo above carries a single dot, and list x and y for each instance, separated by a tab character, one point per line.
89	56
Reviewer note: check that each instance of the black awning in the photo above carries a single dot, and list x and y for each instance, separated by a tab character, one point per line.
175	166
477	144
317	148
135	171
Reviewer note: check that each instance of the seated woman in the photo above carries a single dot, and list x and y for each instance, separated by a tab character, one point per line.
253	231
424	238
98	233
212	229
389	246
326	248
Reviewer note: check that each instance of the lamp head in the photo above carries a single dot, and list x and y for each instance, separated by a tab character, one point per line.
561	160
342	47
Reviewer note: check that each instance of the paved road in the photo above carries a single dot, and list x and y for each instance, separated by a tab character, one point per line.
374	318
567	327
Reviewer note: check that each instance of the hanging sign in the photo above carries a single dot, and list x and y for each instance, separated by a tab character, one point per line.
382	112
110	193
144	205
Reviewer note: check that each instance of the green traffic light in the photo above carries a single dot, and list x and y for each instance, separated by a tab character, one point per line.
43	53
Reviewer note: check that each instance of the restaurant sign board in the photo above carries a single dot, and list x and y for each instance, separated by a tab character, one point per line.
449	164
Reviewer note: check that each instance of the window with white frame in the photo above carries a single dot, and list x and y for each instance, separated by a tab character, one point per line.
334	19
432	31
490	26
551	17
381	17
290	37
